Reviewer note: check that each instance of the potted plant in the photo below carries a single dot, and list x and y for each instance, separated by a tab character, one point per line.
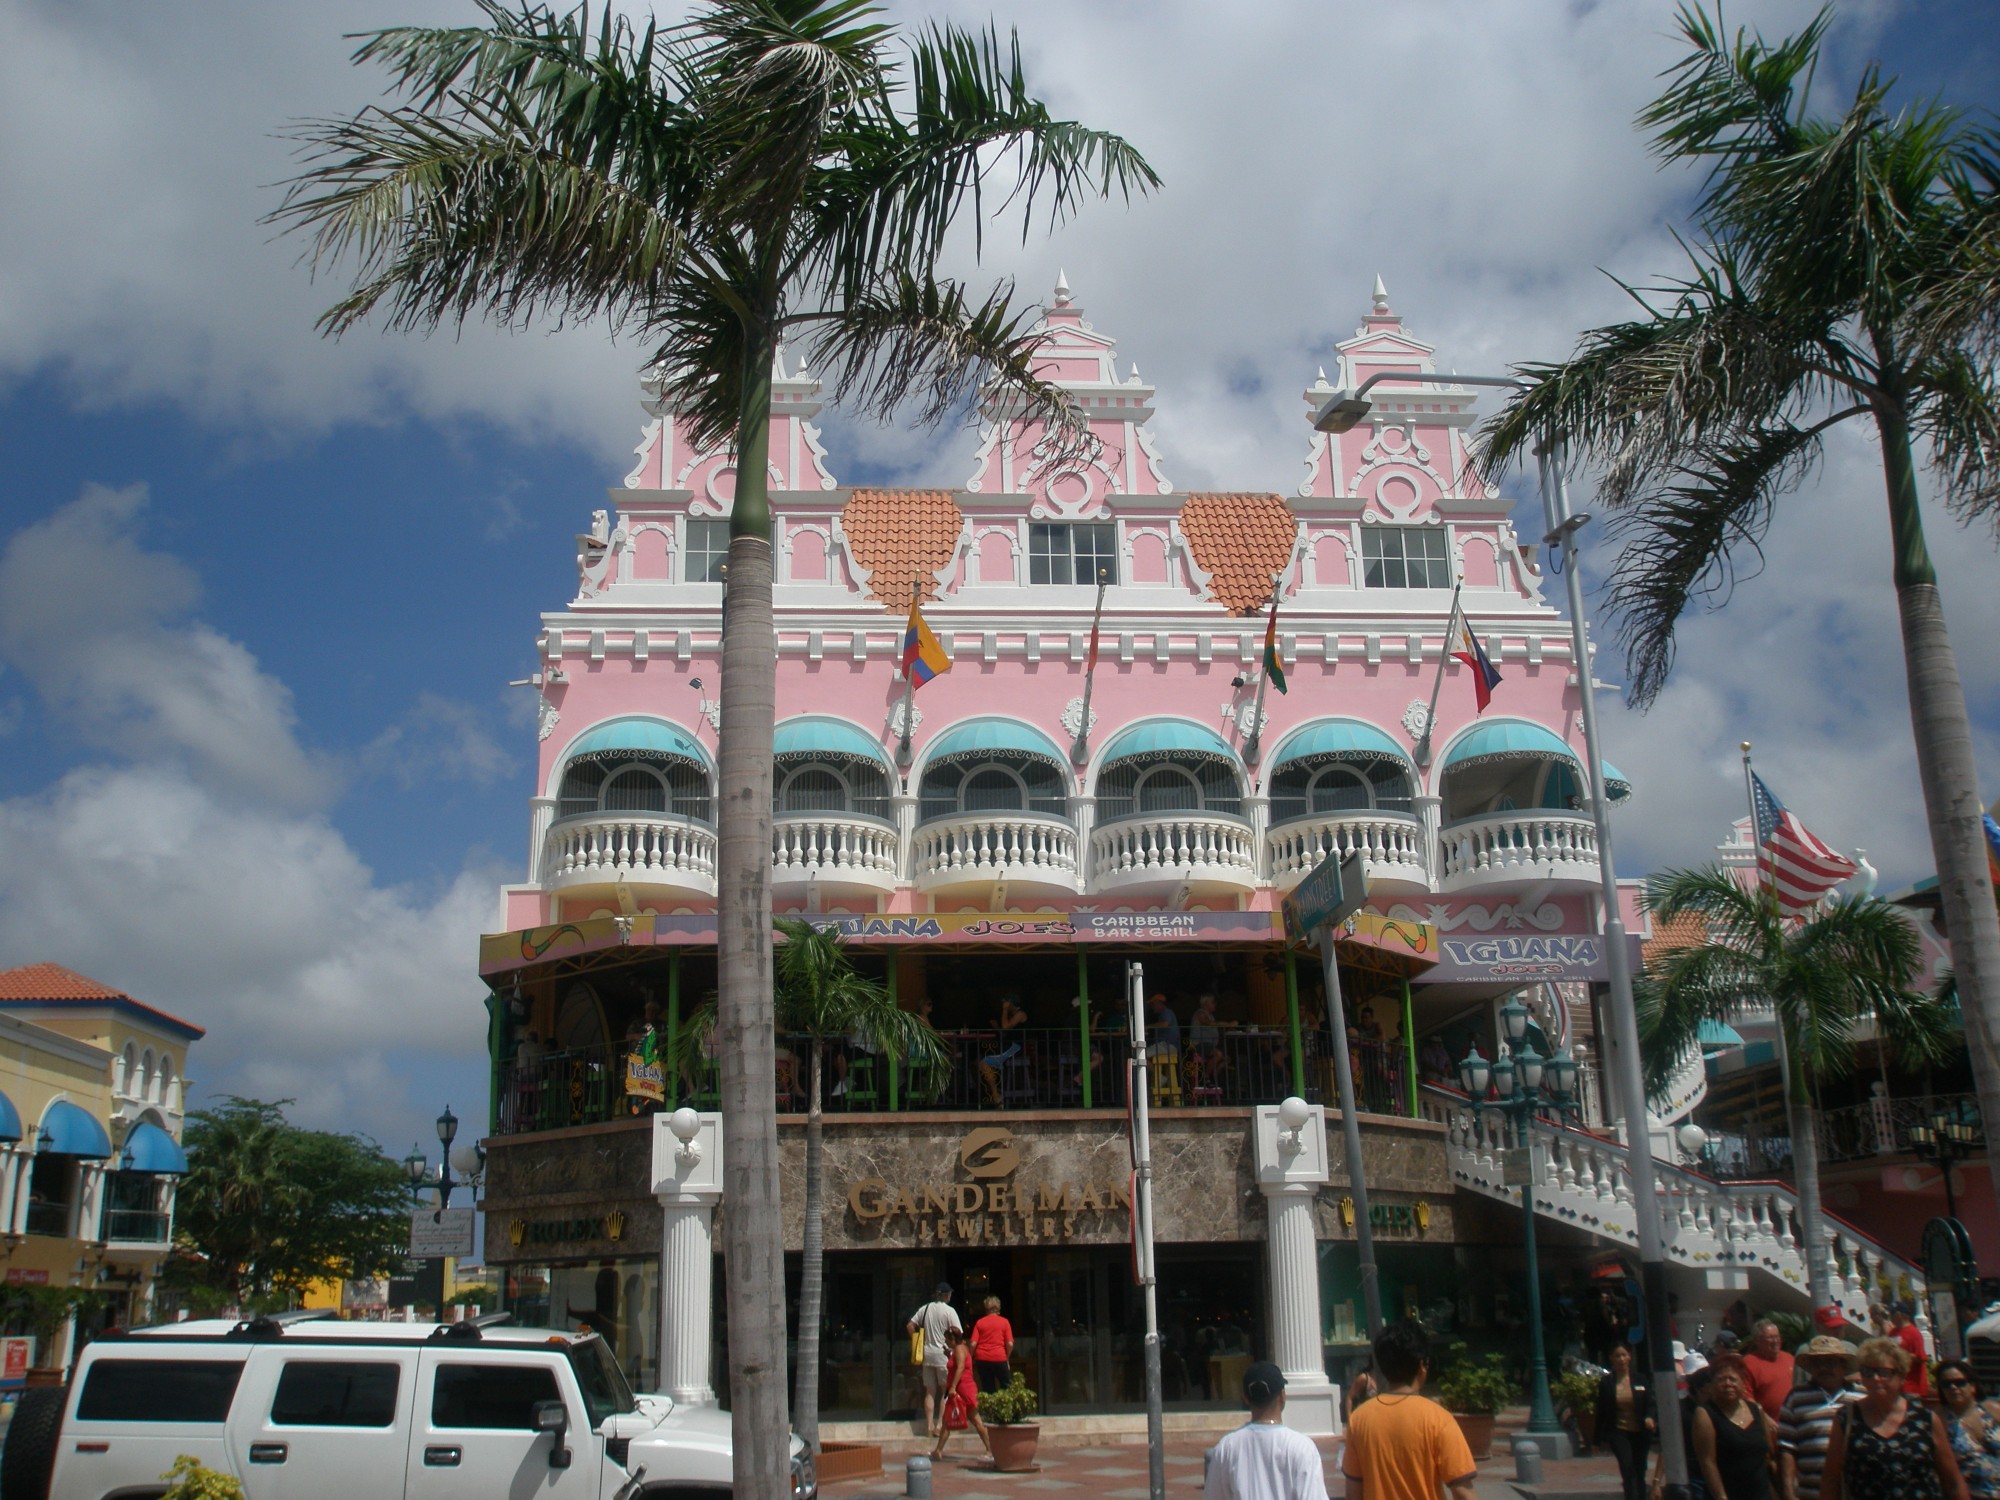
1009	1417
1473	1391
1576	1395
42	1311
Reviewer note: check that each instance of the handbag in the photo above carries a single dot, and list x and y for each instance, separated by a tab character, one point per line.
955	1416
917	1337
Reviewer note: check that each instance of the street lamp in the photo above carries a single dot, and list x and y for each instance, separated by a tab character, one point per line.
1525	1082
416	1168
1946	1141
447	1126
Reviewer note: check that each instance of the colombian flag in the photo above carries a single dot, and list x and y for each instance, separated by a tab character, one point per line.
1484	678
1274	669
923	657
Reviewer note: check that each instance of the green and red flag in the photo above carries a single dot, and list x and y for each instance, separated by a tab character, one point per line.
1274	669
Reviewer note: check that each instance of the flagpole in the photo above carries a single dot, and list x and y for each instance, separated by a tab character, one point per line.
1251	747
1079	750
904	755
1422	754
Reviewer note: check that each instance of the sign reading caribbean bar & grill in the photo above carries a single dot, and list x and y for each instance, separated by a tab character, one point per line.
985	1204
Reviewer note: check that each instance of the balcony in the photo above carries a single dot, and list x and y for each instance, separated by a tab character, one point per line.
843	853
968	853
50	1218
143	1226
1155	852
652	853
1516	848
1391	846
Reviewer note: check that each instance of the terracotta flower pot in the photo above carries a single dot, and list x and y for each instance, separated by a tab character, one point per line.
1014	1445
1478	1429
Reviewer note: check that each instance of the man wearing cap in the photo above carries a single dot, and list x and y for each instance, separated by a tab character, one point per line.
1903	1329
1264	1459
1401	1446
1805	1422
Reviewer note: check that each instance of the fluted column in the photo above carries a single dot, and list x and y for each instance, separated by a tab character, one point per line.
1430	820
1291	1171
903	809
1257	809
541	813
687	1179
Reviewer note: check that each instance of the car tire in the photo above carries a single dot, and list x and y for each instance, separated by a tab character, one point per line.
29	1459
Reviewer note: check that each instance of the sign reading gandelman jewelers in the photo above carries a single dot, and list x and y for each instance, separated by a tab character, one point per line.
987	1203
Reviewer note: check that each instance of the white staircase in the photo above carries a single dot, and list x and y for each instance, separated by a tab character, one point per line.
1722	1239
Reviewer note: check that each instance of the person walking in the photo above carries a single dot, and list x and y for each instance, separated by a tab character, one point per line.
935	1319
1626	1420
1805	1422
1973	1424
1733	1437
1769	1372
1264	1459
1886	1446
992	1347
1903	1329
1402	1445
959	1389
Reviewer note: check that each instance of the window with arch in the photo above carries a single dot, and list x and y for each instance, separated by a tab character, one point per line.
857	786
1012	783
170	1084
1300	791
125	1070
1148	788
662	785
142	1086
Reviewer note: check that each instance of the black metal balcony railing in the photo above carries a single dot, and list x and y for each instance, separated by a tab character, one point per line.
142	1226
1028	1069
1882	1127
45	1217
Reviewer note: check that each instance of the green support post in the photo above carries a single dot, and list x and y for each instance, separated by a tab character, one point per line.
496	1046
1292	1017
674	1017
893	1000
1083	1025
1410	1045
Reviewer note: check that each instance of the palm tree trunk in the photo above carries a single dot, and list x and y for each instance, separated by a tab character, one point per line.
1804	1129
1950	778
812	1280
753	1242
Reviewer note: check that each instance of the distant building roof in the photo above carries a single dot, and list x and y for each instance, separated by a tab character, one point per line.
53	987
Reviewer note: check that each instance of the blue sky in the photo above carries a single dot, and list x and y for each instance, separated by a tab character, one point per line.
260	594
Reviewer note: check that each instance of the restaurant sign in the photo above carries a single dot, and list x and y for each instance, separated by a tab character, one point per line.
1523	957
986	1204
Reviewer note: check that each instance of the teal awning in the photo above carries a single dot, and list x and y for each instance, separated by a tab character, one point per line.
1163	739
71	1130
1507	739
1342	741
1716	1036
831	739
150	1149
620	739
995	737
1617	786
10	1120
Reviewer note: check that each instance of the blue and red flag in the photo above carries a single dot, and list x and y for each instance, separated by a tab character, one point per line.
1993	848
923	656
1484	678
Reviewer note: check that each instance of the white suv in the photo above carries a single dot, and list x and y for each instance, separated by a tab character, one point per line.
311	1409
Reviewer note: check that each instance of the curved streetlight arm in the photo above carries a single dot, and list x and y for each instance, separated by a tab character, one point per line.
1349	407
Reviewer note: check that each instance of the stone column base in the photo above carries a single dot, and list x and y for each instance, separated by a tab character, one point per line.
1312	1406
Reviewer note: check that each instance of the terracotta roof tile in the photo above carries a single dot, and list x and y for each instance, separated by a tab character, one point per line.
53	985
1688	930
1239	540
901	537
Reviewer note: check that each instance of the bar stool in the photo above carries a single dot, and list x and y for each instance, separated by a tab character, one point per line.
1164	1064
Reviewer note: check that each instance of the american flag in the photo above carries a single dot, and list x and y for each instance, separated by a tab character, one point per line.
1801	867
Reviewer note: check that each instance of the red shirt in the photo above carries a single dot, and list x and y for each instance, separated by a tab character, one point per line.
1770	1380
1918	1382
990	1337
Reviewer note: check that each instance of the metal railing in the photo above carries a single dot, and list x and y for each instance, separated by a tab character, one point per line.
143	1226
1882	1127
45	1217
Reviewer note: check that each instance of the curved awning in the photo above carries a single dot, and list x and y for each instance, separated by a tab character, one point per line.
1716	1036
814	737
1617	786
1337	741
621	739
1169	739
995	737
71	1130
1509	739
150	1149
10	1120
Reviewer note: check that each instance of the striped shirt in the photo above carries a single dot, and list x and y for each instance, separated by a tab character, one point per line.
1805	1427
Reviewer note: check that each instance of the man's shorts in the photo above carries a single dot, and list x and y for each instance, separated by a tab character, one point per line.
934	1379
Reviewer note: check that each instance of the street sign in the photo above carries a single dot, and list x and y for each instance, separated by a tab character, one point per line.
1517	1167
434	1234
1333	891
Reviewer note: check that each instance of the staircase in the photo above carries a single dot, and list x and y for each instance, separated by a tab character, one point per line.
1722	1240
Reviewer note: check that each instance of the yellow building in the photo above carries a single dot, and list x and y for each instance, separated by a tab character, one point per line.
92	1084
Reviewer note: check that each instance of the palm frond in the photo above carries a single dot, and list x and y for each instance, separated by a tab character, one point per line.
1732	98
1959	412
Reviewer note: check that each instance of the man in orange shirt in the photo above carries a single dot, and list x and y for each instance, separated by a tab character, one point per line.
1401	1445
1767	1368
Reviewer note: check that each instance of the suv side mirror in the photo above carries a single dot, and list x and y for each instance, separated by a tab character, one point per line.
552	1417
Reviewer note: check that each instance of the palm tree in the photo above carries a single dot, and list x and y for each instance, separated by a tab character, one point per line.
769	170
1846	271
1849	963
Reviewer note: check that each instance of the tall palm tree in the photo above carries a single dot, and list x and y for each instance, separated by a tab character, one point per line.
1849	963
1847	269
769	170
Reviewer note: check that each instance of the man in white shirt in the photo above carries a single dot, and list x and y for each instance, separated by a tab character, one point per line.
1264	1459
934	1317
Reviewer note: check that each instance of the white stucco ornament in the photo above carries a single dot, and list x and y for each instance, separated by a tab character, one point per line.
1072	715
711	710
546	718
1244	715
896	716
1417	718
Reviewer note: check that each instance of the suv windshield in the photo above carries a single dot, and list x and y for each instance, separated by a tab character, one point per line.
604	1388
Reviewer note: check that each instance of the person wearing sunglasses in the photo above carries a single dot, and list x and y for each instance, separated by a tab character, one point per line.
1974	1425
1886	1446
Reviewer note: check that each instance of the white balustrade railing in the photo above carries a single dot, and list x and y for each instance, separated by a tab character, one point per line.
833	846
1157	845
1391	845
640	847
1517	845
995	846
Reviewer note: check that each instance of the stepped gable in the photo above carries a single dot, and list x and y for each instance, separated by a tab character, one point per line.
901	537
1239	540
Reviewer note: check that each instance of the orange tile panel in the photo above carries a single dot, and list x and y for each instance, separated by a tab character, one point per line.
1239	540
902	537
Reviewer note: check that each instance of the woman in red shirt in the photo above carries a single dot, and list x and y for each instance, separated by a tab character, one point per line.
992	1347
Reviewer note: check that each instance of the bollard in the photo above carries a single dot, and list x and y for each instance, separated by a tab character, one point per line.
917	1477
1527	1461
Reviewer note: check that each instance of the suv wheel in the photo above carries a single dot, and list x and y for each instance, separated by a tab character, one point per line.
29	1458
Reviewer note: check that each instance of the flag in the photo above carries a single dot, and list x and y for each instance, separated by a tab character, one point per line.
1274	669
1090	656
1484	678
923	656
1993	848
1803	868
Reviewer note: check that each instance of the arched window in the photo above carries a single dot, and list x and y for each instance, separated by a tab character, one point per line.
857	787
124	1069
170	1085
658	785
1300	791
142	1086
1142	788
1016	783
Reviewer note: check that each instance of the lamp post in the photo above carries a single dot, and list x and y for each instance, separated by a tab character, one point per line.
1340	414
416	1168
447	1128
1946	1141
1525	1081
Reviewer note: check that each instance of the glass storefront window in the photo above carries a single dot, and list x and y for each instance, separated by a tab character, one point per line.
619	1299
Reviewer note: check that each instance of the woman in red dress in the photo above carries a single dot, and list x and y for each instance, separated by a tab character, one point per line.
960	1386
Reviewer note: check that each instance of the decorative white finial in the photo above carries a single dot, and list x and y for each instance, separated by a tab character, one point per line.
1381	295
1062	289
1322	374
1135	380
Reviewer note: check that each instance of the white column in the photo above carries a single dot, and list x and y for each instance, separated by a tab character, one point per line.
687	1179
1291	1172
903	809
1430	819
541	813
1258	808
17	1203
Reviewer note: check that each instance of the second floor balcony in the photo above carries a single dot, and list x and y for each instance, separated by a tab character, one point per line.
589	856
1515	810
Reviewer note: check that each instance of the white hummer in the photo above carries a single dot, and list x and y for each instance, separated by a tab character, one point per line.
306	1408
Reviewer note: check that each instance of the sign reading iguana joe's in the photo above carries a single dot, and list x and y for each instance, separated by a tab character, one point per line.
1524	956
986	1204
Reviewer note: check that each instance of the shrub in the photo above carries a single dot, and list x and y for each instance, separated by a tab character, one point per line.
194	1480
1474	1386
1014	1404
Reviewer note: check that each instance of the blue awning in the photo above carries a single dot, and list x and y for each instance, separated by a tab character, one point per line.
1163	738
1717	1036
618	739
1507	739
71	1130
10	1120
1342	741
151	1149
995	737
1617	786
835	739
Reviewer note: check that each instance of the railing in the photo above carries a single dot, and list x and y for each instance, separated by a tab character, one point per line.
1391	846
1155	846
996	846
640	847
45	1217
1507	846
1882	1127
834	846
143	1226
